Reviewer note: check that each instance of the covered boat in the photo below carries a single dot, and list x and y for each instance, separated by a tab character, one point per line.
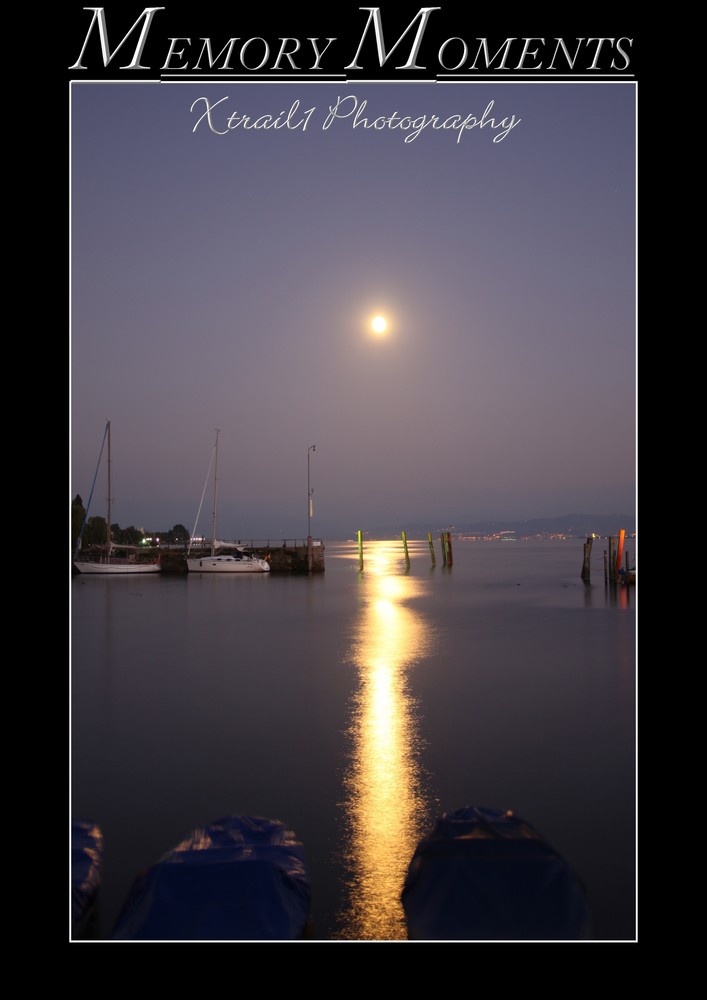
482	874
86	876
241	878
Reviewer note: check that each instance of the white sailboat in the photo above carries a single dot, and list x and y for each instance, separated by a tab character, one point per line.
112	559
223	558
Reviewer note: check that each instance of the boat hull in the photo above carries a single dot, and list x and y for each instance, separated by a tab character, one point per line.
227	564
115	569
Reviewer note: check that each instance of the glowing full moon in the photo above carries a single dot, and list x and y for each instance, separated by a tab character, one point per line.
379	324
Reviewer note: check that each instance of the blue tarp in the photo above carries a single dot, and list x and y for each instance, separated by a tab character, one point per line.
483	874
241	878
86	871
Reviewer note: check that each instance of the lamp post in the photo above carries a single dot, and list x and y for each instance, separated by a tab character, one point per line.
309	512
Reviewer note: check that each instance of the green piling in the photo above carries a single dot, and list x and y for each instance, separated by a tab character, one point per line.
405	546
432	548
360	551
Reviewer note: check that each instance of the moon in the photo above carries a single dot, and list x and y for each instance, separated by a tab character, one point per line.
379	324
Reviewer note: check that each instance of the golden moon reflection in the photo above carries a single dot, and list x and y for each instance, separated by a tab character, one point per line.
385	804
379	324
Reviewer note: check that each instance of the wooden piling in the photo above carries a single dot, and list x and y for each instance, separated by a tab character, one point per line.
360	551
450	557
586	565
432	548
620	550
443	544
612	559
405	547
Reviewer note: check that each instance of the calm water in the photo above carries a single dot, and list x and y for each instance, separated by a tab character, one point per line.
356	707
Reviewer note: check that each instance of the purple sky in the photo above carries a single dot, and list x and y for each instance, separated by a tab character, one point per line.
229	281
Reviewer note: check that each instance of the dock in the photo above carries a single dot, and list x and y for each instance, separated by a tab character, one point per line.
285	555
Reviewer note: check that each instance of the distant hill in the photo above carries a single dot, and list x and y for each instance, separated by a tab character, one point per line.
573	525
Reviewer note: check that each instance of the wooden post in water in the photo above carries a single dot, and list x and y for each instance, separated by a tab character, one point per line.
606	572
620	550
360	551
612	559
586	565
405	546
443	544
432	548
450	558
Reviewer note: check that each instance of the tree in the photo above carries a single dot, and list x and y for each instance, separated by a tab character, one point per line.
128	536
95	532
77	515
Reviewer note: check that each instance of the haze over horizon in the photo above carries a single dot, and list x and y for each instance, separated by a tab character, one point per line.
229	281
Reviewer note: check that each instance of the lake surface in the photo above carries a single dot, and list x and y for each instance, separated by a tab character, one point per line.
358	706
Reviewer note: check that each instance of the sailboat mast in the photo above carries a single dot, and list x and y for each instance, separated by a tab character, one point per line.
213	529
109	497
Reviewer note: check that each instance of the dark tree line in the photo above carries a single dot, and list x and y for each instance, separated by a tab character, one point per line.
94	532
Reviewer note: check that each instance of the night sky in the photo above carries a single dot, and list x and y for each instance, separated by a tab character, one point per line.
229	281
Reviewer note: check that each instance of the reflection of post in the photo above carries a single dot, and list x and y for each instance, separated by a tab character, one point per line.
586	567
360	551
405	546
432	548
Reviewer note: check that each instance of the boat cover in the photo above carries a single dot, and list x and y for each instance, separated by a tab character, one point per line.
241	878
86	873
482	875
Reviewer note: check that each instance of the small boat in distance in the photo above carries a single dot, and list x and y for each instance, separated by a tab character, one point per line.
110	558
223	558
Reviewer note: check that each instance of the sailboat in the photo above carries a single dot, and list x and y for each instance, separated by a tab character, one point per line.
223	558
111	558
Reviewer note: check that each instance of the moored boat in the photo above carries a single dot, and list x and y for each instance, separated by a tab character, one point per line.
237	561
241	878
122	560
110	558
487	875
223	558
86	878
